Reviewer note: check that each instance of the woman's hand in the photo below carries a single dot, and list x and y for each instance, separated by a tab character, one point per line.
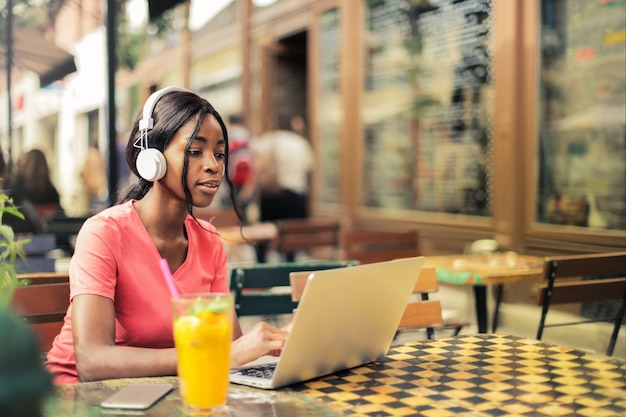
262	339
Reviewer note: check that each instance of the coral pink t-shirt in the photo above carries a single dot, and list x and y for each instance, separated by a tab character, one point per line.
115	258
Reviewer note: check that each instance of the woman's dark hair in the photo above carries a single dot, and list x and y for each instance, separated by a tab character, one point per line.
170	113
32	181
33	173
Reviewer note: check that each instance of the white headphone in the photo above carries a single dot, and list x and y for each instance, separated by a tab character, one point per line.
150	163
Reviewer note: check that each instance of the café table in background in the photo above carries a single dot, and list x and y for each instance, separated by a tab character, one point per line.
235	238
482	271
480	375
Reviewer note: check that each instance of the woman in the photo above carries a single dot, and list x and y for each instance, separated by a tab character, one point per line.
33	192
32	180
119	323
292	156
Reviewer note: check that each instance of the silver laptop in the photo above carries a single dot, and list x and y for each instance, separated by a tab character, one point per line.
346	317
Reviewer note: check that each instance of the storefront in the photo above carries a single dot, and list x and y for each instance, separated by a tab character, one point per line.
465	119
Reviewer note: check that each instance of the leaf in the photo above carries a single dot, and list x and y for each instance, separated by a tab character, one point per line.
14	211
7	232
10	249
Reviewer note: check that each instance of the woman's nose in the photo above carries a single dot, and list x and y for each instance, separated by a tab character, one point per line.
212	164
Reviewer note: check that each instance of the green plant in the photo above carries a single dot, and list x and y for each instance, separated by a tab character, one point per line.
24	383
10	250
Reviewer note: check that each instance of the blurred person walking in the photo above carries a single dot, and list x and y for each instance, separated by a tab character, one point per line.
240	168
284	161
94	176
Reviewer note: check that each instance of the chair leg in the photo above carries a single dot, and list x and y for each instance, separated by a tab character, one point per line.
496	312
547	299
616	327
430	333
261	251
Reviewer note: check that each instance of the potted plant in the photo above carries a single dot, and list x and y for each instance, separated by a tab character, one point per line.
24	383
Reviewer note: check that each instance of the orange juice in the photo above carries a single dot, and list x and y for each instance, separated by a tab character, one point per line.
203	335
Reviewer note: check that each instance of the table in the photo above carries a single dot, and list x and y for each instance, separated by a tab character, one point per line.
481	271
480	375
236	237
82	400
251	233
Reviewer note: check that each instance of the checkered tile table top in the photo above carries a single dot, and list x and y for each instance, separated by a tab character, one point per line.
477	375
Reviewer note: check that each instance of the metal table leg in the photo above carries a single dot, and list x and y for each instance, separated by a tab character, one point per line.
480	298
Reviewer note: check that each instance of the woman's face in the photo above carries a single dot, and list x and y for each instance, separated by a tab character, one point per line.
206	161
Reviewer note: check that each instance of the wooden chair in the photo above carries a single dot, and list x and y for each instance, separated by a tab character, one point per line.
422	313
43	307
368	246
264	289
295	235
564	284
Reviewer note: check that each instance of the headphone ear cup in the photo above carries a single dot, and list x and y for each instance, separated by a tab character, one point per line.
151	164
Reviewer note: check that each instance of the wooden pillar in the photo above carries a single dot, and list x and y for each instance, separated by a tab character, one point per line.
350	77
186	48
244	13
507	170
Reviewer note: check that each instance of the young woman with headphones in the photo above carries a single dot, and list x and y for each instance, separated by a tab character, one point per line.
119	322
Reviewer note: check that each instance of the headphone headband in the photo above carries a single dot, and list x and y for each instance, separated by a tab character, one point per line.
150	163
147	122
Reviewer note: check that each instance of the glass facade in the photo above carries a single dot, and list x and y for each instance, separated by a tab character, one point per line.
582	129
329	110
427	105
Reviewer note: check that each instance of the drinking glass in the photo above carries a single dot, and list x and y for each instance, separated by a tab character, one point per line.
203	333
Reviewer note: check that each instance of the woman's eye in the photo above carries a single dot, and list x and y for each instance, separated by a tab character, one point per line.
194	152
220	155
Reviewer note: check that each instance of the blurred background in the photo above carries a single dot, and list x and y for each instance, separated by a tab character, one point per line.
464	119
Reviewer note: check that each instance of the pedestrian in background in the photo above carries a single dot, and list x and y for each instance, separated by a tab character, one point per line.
284	163
94	176
241	166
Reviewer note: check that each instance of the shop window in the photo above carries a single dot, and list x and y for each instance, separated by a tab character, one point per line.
329	111
427	107
582	130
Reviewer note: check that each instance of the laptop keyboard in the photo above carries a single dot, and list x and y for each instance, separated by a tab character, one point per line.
261	371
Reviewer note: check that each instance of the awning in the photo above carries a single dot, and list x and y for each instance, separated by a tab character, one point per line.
157	7
31	51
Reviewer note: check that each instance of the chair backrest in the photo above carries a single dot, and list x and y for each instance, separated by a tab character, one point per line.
368	246
36	251
47	209
295	235
43	307
264	288
420	312
580	279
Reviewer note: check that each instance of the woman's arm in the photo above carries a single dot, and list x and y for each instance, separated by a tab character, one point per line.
263	339
97	356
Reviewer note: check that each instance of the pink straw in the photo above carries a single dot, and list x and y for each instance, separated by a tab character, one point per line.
169	279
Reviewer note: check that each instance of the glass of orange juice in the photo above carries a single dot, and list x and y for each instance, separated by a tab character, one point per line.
203	333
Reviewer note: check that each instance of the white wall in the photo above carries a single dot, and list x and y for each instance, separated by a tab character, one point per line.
85	92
